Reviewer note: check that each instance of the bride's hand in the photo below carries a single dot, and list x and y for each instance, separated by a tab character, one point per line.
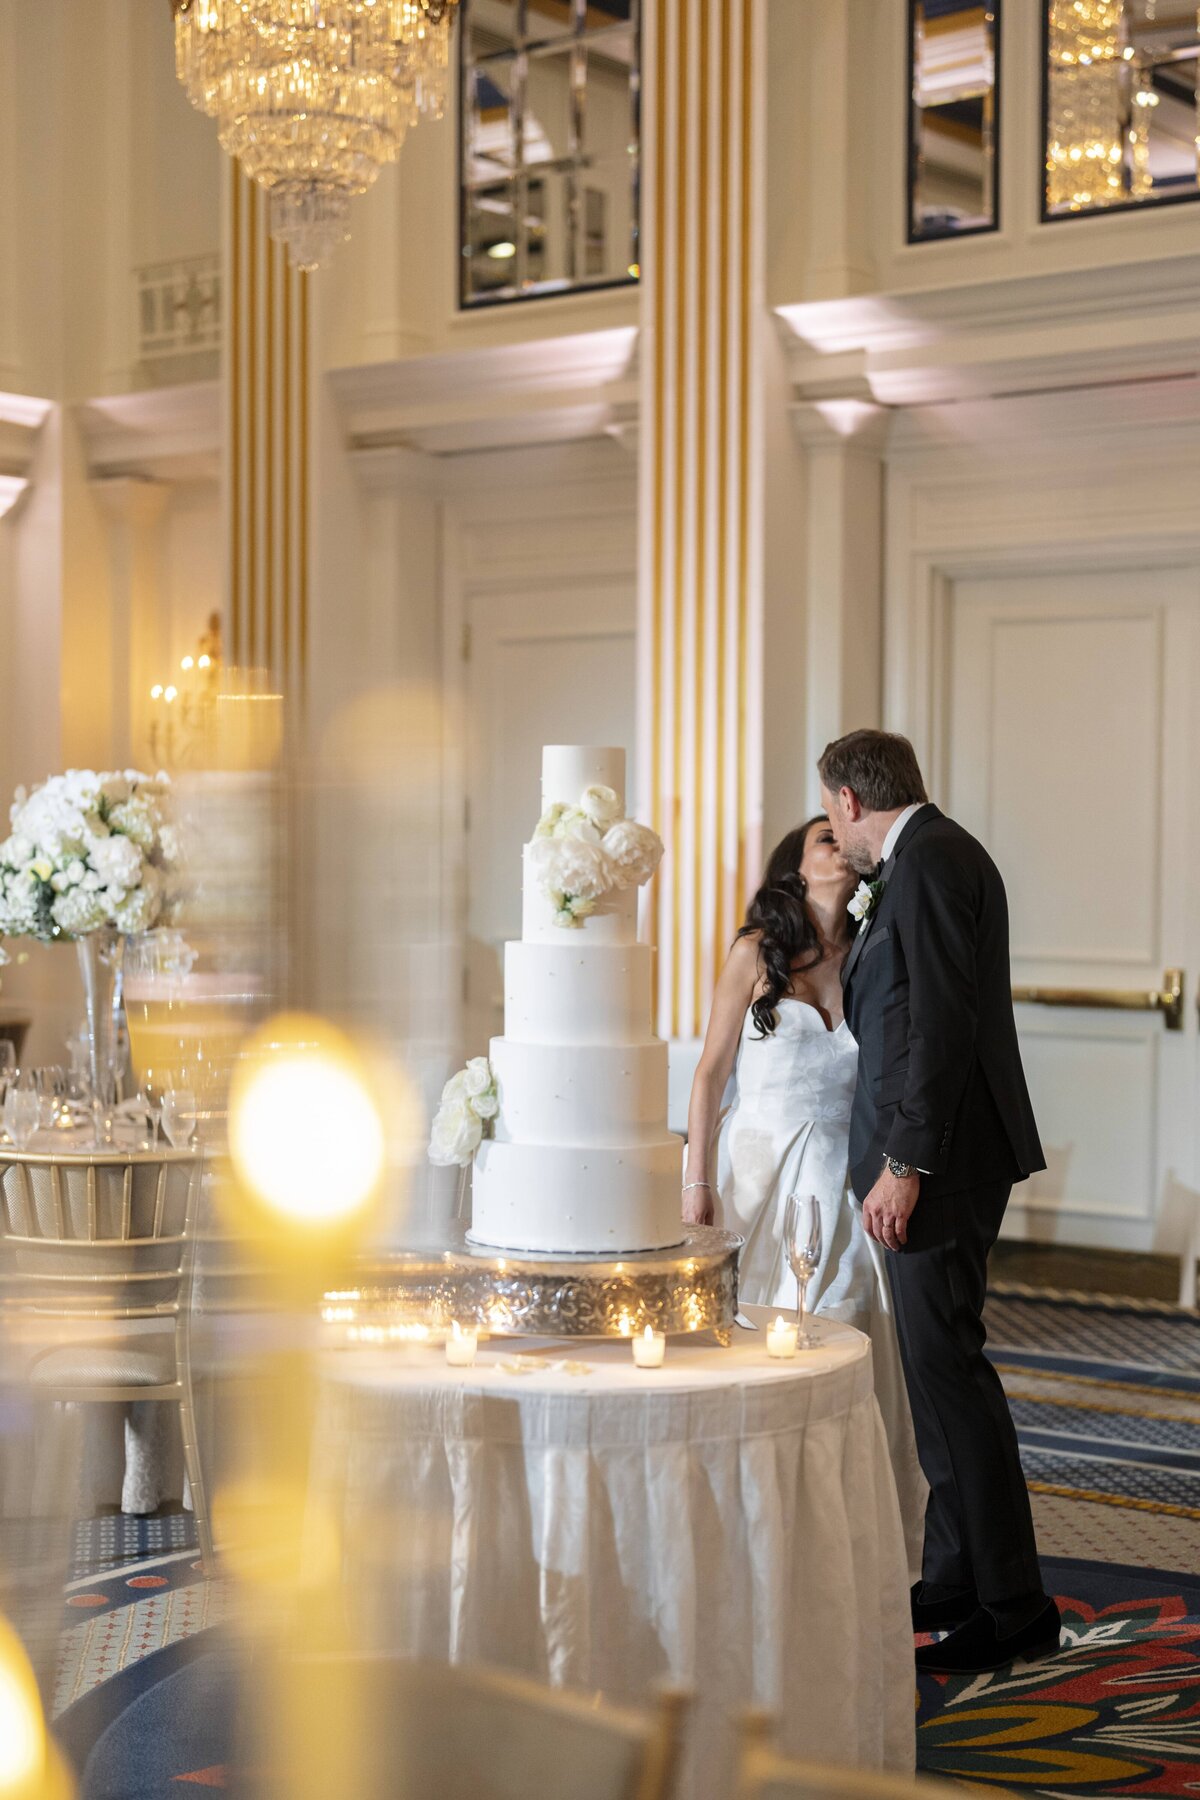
698	1204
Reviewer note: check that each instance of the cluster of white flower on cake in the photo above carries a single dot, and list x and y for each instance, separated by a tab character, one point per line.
469	1104
583	852
87	850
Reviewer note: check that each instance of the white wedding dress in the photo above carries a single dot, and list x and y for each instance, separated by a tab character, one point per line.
787	1131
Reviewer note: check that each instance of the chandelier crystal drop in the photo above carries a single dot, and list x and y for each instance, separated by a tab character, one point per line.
313	97
1084	148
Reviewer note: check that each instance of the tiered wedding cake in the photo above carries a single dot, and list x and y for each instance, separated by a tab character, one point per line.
581	1160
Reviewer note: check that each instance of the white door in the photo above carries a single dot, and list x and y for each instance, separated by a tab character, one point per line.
545	666
1073	744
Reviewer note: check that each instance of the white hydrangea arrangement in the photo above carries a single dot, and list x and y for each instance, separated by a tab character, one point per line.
581	853
469	1105
87	850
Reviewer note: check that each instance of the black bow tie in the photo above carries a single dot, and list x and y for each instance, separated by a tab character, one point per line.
877	871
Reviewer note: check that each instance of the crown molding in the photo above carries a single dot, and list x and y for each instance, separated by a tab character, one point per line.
170	434
1130	322
552	390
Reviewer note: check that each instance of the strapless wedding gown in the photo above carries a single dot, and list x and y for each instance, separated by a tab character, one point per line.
788	1132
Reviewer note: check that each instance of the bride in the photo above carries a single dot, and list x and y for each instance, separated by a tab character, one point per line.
776	1025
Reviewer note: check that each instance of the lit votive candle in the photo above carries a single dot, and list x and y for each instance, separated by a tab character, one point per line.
781	1337
461	1347
650	1348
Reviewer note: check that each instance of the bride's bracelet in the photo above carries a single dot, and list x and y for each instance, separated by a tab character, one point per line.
692	1184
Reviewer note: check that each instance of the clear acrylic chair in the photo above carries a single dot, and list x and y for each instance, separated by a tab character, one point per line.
99	1248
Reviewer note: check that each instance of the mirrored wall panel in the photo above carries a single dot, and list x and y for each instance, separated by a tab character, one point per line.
1119	104
952	153
549	148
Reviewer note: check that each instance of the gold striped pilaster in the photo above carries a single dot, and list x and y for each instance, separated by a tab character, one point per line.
700	594
268	371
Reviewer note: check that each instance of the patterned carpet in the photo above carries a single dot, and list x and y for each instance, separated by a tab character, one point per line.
1106	1397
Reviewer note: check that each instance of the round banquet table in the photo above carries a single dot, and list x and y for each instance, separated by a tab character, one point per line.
727	1524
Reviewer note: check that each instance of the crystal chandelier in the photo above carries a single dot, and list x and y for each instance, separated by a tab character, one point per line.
1084	149
313	97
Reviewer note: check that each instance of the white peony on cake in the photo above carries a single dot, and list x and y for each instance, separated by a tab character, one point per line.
580	1160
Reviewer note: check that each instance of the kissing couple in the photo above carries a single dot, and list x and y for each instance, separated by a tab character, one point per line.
865	1017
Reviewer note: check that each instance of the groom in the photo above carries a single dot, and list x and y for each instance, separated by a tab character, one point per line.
940	1130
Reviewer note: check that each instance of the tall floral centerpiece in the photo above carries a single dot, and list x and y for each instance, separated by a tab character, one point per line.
88	860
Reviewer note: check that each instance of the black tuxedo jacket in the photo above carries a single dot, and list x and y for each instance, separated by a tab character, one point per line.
928	996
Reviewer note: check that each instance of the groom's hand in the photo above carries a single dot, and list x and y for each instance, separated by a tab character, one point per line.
888	1208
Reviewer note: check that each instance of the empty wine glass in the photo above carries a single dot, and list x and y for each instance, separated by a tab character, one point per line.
802	1241
22	1114
179	1116
153	1114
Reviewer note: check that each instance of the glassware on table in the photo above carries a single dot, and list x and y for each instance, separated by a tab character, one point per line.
8	1060
179	1116
802	1241
22	1114
50	1084
149	1106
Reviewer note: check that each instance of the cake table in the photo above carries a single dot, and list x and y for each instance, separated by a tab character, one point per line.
726	1523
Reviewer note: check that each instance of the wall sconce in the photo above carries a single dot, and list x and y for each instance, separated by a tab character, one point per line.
182	708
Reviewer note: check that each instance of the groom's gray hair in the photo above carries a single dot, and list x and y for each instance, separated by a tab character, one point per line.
880	767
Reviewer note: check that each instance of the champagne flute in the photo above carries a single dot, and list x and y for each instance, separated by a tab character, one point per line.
179	1116
802	1241
22	1114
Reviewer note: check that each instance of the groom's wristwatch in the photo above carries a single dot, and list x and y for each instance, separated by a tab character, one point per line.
901	1170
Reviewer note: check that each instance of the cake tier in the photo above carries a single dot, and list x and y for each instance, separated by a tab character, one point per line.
614	920
550	1199
577	992
580	1094
569	768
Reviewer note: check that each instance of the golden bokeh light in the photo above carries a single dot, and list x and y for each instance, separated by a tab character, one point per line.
22	1728
305	1133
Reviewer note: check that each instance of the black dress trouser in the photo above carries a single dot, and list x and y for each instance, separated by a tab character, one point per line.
978	1525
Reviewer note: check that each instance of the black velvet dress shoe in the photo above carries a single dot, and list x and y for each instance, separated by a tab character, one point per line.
980	1644
944	1614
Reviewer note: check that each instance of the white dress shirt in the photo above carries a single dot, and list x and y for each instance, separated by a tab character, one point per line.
892	838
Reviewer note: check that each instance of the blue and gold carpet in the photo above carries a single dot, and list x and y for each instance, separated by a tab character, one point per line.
1106	1397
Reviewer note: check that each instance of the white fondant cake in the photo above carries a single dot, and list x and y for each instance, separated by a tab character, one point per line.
581	1160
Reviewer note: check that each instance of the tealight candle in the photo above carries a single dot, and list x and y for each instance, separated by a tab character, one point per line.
461	1347
781	1337
650	1348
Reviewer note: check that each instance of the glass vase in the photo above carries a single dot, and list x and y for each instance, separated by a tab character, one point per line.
101	960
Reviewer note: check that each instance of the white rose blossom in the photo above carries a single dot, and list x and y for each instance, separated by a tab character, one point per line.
601	804
469	1104
634	851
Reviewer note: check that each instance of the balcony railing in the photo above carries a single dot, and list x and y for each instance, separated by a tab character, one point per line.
179	307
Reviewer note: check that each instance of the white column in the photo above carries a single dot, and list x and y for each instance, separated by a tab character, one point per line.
139	624
844	443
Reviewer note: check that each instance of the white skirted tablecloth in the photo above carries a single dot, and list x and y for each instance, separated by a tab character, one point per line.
727	1523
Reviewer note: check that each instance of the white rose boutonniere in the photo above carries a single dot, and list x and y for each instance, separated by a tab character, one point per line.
470	1102
863	902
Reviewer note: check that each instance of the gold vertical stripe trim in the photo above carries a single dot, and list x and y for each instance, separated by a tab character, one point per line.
700	513
679	501
656	450
303	477
723	930
289	478
234	305
252	521
744	329
269	354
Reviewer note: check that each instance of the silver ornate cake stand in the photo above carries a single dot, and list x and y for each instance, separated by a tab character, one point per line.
688	1288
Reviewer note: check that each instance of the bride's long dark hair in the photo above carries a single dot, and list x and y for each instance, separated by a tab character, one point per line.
789	941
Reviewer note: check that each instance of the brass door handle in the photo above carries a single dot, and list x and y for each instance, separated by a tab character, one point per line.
1168	999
